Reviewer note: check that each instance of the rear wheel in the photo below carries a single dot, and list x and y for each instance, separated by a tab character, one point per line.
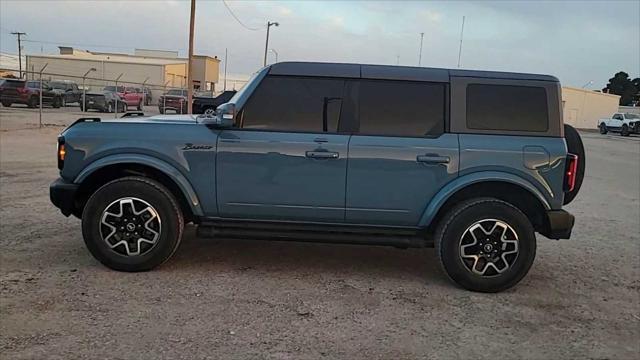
33	102
603	129
57	102
485	245
132	224
6	104
625	130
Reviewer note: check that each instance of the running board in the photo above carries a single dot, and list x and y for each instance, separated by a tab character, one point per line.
312	232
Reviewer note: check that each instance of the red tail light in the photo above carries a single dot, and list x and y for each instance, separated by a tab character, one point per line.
571	168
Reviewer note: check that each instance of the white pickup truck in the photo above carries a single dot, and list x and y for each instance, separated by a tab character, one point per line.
624	123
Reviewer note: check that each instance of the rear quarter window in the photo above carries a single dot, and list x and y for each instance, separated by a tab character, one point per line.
507	107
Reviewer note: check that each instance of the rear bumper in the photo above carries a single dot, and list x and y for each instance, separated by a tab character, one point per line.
63	195
559	224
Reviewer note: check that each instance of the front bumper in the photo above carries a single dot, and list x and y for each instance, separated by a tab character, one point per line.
559	224
63	195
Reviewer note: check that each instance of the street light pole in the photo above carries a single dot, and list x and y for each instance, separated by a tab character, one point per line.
275	52
190	69
420	56
84	90
266	45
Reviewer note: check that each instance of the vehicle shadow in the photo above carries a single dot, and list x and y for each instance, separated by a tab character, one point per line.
300	258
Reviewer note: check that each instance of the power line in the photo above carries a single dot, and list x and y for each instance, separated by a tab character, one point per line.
237	19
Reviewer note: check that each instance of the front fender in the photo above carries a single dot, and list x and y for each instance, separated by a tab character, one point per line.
166	168
459	183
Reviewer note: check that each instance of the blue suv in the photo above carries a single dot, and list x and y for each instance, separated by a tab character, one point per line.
473	163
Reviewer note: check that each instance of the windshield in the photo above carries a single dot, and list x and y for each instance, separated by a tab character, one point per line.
632	116
177	92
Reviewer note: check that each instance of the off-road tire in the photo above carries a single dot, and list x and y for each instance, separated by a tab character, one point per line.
452	227
603	129
155	194
625	130
575	146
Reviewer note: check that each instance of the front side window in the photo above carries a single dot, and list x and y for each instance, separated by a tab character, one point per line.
298	104
617	117
507	107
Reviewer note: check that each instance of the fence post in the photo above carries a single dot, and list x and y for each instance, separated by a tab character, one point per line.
40	113
116	109
144	94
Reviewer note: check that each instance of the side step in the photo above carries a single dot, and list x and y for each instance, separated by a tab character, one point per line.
344	234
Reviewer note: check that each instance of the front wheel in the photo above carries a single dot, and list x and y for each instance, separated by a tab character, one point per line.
485	245
132	224
603	129
625	130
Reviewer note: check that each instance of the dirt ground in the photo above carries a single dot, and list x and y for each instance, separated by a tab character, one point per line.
240	299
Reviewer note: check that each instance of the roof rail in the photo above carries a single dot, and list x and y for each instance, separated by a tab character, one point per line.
85	119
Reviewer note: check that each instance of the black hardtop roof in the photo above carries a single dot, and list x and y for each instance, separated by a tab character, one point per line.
389	72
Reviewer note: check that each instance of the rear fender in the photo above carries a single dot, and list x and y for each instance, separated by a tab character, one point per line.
458	184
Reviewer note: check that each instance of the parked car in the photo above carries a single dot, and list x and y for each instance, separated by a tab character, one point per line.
175	99
624	123
210	104
471	162
14	91
68	91
127	94
103	101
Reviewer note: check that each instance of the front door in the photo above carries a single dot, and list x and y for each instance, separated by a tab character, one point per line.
286	160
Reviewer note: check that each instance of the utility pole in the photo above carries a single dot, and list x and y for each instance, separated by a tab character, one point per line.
225	69
266	45
460	49
190	72
420	56
19	35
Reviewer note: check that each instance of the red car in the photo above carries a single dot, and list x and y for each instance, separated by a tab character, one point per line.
175	100
128	95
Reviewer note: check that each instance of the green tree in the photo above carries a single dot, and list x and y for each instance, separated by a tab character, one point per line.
620	84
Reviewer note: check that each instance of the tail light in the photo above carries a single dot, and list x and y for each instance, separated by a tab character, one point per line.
571	168
62	152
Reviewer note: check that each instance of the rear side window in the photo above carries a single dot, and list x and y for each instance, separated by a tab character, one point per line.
507	107
401	108
9	84
294	104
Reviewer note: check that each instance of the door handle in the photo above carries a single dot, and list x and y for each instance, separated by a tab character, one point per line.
322	154
432	159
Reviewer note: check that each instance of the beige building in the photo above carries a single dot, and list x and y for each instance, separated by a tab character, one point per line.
583	108
158	70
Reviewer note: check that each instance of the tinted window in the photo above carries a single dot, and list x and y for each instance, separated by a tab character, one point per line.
11	84
401	108
294	104
617	117
506	107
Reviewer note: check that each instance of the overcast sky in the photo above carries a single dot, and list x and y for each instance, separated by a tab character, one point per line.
577	41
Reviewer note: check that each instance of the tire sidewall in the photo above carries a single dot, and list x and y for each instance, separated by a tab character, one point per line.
461	219
171	223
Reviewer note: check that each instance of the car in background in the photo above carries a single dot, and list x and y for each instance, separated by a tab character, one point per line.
14	91
103	101
128	95
175	99
68	90
203	104
624	123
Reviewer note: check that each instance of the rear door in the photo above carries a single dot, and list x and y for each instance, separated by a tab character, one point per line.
287	159
401	155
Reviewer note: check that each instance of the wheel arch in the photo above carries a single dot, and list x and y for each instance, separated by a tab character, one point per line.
107	169
506	187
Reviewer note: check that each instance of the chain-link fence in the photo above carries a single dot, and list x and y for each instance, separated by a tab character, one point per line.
43	98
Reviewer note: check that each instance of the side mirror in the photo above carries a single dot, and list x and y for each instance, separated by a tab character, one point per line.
224	117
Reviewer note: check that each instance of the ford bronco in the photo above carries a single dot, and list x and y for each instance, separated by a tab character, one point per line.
473	163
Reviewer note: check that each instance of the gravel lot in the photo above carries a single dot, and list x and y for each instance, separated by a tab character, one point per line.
226	299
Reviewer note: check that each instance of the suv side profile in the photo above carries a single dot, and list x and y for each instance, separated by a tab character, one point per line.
28	93
473	163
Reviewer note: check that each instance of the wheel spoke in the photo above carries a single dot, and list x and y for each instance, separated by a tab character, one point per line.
488	246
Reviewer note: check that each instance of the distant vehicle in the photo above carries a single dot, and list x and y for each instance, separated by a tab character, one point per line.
103	101
175	99
203	104
471	162
127	94
624	123
28	93
68	90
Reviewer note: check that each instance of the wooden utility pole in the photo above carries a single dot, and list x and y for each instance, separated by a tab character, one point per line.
19	34
189	72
